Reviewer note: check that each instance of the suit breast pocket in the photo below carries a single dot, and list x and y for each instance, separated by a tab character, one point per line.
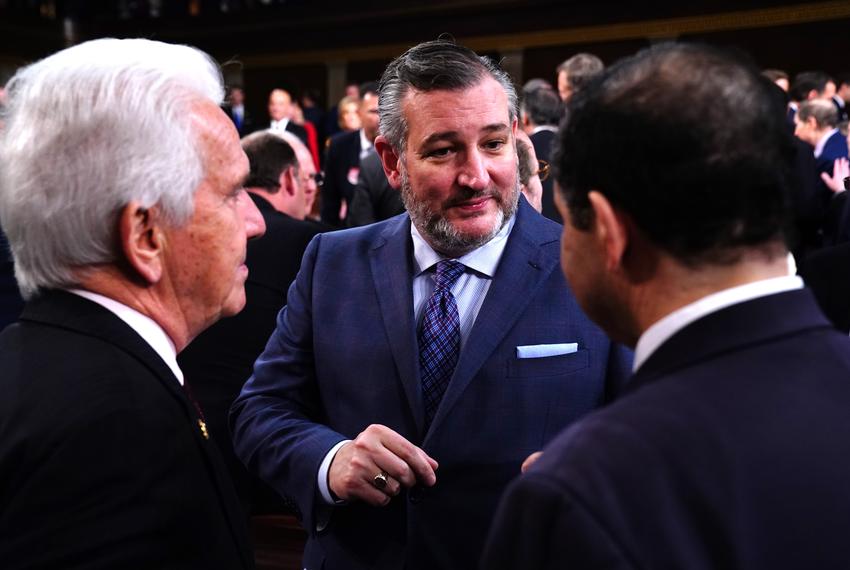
548	365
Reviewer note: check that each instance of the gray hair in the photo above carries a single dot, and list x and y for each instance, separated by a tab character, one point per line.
824	113
90	129
432	66
581	69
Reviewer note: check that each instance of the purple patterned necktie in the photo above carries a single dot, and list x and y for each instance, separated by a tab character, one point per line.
439	337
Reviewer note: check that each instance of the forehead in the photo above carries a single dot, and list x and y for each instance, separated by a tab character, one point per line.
219	143
462	111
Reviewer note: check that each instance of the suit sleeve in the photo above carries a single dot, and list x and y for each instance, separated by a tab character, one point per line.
541	525
276	420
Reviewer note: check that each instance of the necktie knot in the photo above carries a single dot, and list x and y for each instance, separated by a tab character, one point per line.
448	272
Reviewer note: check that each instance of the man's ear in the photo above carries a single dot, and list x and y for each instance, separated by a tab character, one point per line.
142	241
287	180
390	161
611	229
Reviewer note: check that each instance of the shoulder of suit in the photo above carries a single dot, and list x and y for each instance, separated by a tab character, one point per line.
344	138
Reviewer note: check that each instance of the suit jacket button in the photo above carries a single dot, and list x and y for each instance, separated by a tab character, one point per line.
416	494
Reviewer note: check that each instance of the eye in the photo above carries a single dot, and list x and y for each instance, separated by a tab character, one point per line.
495	144
234	194
438	152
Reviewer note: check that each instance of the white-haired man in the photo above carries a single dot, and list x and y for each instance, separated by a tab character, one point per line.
121	194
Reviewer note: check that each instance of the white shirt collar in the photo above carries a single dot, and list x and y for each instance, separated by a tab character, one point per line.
822	142
144	326
365	144
484	260
279	125
659	332
550	128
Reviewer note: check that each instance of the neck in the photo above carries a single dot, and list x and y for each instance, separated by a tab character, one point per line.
279	201
675	285
111	282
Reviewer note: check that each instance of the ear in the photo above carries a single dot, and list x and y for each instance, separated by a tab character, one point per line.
142	241
611	229
287	180
389	159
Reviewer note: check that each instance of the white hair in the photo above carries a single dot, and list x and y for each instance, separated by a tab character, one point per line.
88	130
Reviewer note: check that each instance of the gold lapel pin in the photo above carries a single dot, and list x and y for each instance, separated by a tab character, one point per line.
203	427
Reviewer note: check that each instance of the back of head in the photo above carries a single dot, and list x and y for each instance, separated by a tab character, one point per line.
703	151
581	69
90	129
542	106
806	82
824	113
439	65
268	155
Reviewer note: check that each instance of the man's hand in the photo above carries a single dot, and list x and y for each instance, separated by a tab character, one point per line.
840	171
378	449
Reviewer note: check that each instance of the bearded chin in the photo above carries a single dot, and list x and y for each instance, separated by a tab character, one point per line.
441	234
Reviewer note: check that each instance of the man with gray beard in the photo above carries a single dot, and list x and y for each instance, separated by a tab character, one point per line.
421	360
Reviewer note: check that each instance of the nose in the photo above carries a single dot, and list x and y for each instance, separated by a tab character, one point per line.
473	173
255	225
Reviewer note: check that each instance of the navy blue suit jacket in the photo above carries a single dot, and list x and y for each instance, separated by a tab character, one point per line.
338	363
730	448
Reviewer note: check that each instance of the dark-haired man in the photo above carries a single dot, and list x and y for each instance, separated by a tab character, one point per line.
730	447
420	360
344	153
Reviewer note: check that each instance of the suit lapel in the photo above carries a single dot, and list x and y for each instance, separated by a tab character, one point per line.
523	268
391	262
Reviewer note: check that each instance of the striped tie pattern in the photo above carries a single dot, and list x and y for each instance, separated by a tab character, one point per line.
439	337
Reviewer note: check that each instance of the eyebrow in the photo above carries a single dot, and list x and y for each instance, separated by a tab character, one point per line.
451	135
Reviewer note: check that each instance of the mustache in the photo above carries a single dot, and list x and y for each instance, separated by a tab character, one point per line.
466	194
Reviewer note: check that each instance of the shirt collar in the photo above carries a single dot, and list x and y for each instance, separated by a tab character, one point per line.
484	260
144	326
822	142
550	128
659	332
365	143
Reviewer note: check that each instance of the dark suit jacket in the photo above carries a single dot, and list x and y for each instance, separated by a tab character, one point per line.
544	145
102	460
730	449
219	361
374	199
343	154
827	273
246	126
338	363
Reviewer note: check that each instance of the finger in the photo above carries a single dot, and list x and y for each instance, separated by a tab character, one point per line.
417	460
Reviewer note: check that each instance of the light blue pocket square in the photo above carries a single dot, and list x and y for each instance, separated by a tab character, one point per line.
543	350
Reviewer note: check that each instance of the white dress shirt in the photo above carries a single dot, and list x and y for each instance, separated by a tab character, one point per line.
278	126
365	145
144	326
659	332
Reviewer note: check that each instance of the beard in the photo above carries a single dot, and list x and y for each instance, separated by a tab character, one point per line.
440	233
